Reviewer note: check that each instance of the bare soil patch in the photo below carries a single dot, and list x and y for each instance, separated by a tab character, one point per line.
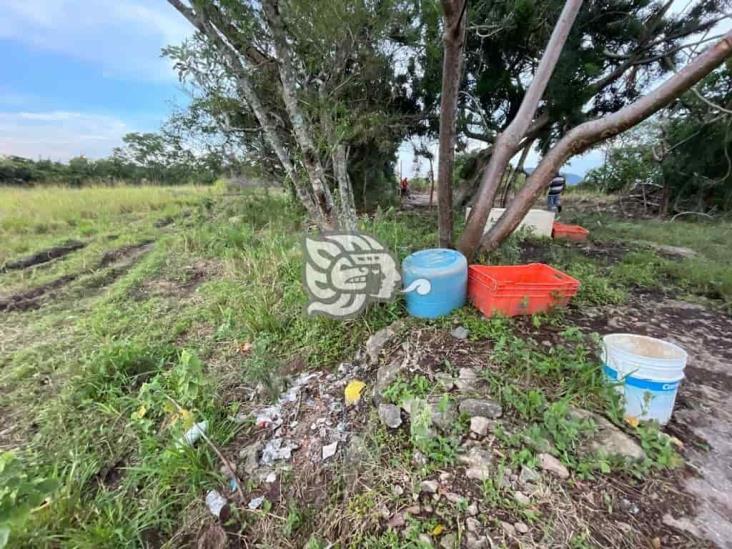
44	256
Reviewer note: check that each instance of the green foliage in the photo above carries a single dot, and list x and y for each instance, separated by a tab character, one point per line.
145	158
21	492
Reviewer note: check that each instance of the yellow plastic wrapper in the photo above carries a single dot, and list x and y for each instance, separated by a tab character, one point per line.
353	391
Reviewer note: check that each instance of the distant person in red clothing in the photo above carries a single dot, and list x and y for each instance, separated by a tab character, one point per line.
404	187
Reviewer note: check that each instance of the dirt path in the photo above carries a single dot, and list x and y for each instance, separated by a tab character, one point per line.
703	411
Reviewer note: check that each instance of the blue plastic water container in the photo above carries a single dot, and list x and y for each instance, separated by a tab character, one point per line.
447	273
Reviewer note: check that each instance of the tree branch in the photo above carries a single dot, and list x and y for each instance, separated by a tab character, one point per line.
582	137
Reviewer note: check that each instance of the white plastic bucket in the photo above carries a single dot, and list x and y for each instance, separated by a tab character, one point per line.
647	371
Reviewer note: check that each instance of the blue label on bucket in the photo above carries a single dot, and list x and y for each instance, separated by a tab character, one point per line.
641	383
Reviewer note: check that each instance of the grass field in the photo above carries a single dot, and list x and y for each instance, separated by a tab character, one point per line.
183	305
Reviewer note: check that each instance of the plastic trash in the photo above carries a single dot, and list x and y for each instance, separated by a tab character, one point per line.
194	433
215	502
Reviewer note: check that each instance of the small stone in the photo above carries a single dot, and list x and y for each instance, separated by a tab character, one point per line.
429	486
551	464
521	527
472	524
522	499
397	489
445	381
527	476
390	415
424	540
467	380
329	450
445	476
508	528
271	478
413	510
481	407
461	332
448	541
452	497
376	343
472	509
476	542
385	375
479	463
397	521
480	425
444	413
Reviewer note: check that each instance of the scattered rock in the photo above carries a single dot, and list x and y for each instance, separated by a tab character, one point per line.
467	380
551	464
481	407
472	509
522	499
390	415
215	503
376	343
413	510
473	525
508	528
329	450
609	440
479	464
429	486
521	527
476	542
617	443
527	476
445	381
396	521
461	332
683	524
444	413
385	375
480	425
448	541
454	498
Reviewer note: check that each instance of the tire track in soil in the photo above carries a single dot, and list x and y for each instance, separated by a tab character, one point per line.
120	261
44	256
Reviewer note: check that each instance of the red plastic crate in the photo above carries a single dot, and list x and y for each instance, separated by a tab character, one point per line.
569	232
513	290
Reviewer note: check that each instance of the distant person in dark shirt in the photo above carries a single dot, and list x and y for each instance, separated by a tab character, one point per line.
554	197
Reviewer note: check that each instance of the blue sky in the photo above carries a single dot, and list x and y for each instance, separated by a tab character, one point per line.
76	75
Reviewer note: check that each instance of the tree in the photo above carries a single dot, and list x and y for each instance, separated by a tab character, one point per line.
320	82
587	134
454	17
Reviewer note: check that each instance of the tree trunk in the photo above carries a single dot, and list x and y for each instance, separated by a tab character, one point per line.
347	214
584	136
245	87
519	169
300	125
508	142
454	16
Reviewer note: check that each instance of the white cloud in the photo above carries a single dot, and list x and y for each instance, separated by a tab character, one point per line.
59	135
122	37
